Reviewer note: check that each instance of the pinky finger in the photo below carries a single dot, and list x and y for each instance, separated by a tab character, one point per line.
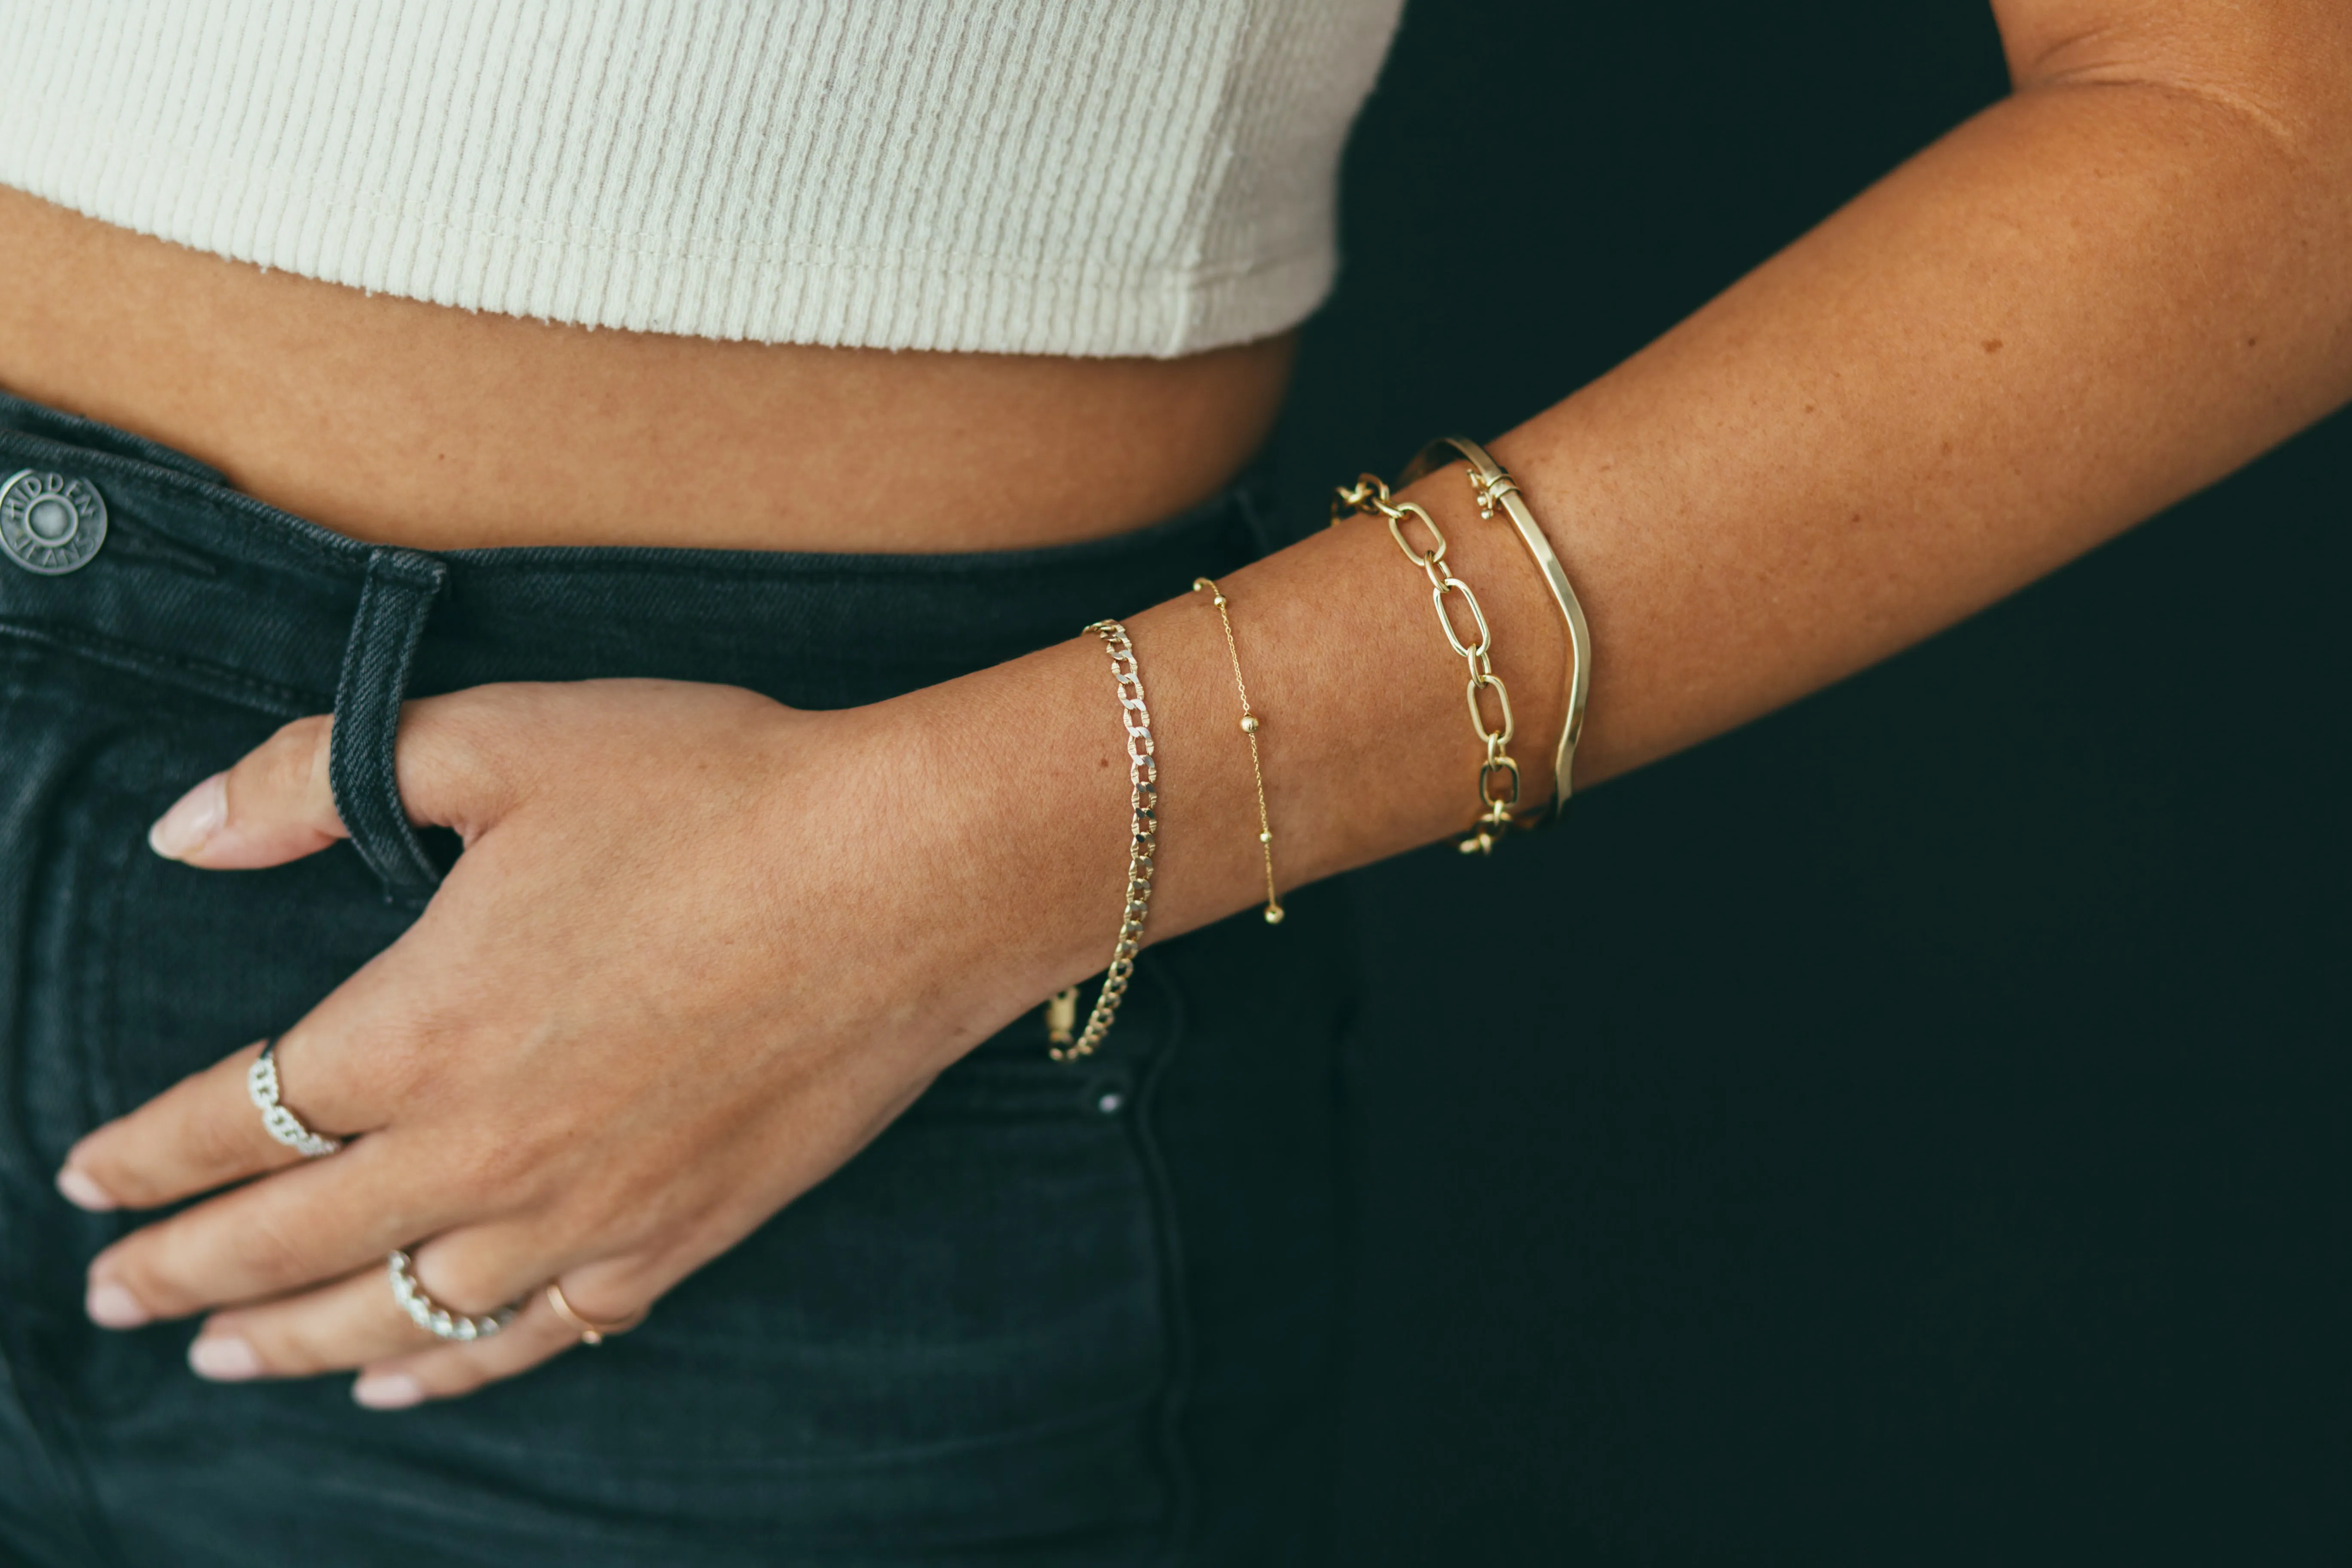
537	1335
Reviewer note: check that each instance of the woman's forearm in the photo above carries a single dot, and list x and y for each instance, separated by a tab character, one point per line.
2083	305
2102	293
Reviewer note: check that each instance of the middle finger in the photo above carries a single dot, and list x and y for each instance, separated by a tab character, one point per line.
316	1221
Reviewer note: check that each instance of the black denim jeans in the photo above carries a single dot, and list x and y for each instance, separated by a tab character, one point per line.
1057	1314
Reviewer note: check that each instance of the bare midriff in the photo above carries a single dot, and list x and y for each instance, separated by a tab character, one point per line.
411	424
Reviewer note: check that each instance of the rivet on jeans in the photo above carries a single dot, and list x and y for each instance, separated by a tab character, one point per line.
50	523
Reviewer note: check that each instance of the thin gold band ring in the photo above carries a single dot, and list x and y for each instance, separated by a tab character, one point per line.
590	1332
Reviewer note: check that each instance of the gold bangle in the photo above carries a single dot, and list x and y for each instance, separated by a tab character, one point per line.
1249	732
1369	494
1143	804
1491	485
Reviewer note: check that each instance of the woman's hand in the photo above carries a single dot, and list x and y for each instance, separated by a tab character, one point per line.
675	981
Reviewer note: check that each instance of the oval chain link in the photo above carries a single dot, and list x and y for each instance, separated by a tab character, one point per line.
1480	680
1428	561
1477	656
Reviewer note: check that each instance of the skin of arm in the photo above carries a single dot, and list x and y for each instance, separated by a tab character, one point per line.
2111	288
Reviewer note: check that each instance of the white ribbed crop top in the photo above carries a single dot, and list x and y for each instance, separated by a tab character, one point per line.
1023	177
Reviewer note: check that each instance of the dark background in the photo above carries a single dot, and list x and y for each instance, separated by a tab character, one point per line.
1906	1131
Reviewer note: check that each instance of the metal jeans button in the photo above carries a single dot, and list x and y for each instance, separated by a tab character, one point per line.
49	523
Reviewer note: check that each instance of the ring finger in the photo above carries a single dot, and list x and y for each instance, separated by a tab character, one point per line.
613	1294
357	1319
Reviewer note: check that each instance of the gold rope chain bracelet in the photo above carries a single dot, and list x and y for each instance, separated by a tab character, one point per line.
1250	726
1143	839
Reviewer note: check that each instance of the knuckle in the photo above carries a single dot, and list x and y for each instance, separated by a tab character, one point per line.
230	1143
508	1165
460	729
452	1375
623	1216
103	1157
488	1166
285	1348
297	756
299	738
267	1254
400	1063
460	752
284	773
141	1266
137	1183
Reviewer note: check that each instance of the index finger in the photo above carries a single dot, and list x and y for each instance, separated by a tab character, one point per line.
204	1131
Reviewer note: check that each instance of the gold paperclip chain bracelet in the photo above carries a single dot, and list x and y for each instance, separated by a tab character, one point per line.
1492	487
1371	494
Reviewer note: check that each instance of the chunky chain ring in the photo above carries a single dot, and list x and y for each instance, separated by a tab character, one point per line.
432	1317
261	1087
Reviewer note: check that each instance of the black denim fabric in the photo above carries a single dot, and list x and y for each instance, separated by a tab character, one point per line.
1057	1314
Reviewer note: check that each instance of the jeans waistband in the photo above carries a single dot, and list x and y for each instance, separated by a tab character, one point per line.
217	592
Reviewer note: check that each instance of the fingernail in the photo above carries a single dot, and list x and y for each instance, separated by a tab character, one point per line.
388	1391
81	1190
224	1358
113	1307
193	817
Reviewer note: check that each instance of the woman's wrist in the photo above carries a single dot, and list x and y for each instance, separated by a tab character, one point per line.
1007	859
1020	770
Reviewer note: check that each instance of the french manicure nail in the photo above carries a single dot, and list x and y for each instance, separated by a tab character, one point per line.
113	1307
193	817
388	1391
224	1358
81	1190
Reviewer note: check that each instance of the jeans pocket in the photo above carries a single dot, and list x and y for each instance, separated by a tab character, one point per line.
957	1348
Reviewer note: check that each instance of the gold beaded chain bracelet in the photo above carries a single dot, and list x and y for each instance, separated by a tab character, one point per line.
1250	726
1371	494
1143	805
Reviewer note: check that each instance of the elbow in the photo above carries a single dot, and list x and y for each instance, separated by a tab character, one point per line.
2281	75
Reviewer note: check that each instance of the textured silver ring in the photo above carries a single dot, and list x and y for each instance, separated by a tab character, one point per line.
261	1084
432	1317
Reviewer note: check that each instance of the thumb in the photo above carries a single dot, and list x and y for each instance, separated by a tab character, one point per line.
274	806
277	804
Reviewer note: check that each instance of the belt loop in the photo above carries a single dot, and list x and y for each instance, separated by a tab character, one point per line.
393	603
